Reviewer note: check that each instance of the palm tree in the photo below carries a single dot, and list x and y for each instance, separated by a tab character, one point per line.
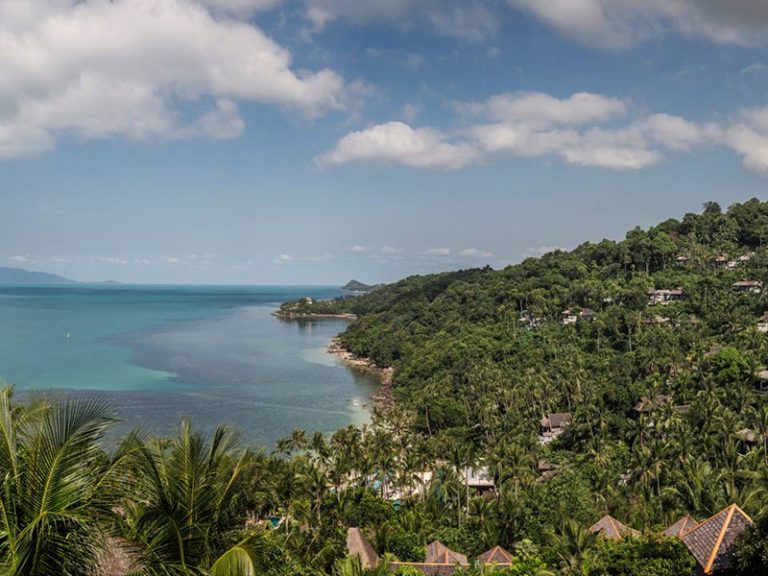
184	515
57	488
573	545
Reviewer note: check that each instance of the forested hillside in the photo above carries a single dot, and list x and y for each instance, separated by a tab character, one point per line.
653	346
621	378
503	331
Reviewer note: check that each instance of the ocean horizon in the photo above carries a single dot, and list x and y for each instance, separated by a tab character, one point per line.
158	353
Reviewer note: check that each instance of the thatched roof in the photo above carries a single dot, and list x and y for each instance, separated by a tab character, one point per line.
612	529
711	542
681	526
358	545
439	553
496	556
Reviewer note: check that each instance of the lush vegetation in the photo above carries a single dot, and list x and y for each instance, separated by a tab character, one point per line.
479	356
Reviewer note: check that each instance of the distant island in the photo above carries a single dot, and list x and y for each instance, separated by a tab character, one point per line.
20	276
355	286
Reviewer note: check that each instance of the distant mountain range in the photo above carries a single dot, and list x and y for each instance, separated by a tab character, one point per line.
21	276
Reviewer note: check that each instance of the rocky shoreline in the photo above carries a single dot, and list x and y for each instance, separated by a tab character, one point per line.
383	399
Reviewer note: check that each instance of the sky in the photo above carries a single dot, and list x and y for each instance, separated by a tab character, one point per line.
315	141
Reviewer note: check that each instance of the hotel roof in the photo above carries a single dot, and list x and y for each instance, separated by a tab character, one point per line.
680	527
439	553
496	555
711	542
612	529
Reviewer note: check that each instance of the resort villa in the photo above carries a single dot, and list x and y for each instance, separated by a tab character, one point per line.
553	425
751	286
664	296
710	542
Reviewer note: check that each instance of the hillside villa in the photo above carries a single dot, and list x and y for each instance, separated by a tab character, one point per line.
710	542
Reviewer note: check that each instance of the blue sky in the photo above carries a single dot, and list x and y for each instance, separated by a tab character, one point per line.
313	141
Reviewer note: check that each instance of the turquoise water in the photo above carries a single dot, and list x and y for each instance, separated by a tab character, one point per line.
160	353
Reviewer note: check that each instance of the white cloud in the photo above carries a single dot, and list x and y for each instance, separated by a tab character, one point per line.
410	112
540	110
391	250
284	259
748	136
583	129
141	69
475	253
359	248
241	7
437	252
114	260
398	143
621	23
755	68
471	20
541	250
18	259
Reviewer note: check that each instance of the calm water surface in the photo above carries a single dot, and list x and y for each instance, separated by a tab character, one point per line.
160	353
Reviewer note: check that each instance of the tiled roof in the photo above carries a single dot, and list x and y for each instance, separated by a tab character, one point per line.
357	545
556	420
680	527
711	542
611	528
496	555
425	568
439	553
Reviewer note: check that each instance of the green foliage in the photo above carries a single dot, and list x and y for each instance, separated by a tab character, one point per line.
407	571
643	556
752	549
55	484
662	423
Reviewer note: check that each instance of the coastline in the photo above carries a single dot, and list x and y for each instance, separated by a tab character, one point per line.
383	398
312	316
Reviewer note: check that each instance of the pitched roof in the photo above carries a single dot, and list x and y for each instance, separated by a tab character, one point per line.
711	542
424	567
357	545
612	529
647	404
556	420
480	477
496	555
439	553
680	527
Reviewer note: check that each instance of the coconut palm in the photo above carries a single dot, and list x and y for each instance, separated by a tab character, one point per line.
186	513
57	488
573	546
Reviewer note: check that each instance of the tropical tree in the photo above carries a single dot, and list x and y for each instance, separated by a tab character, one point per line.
186	516
58	488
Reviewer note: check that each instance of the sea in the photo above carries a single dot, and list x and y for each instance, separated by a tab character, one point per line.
160	354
